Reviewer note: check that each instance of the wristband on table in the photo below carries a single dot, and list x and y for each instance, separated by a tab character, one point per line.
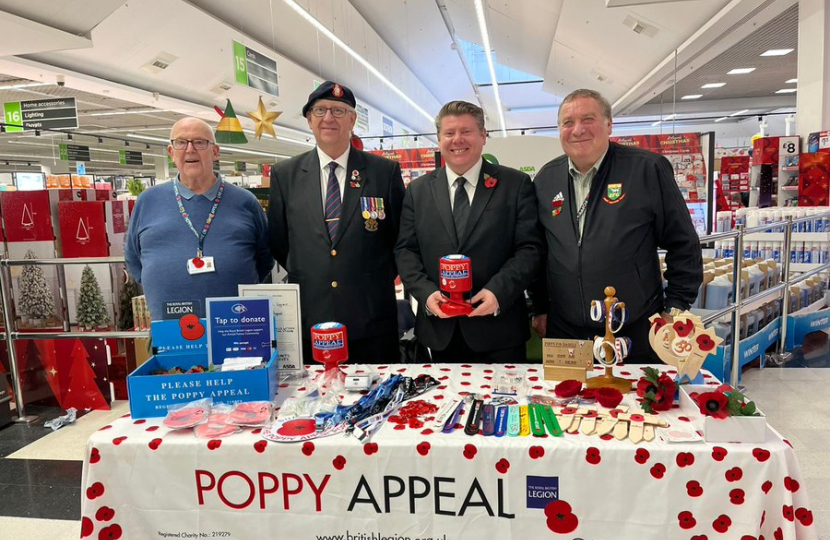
619	315
501	421
537	425
513	422
550	421
488	419
524	421
597	310
474	417
450	425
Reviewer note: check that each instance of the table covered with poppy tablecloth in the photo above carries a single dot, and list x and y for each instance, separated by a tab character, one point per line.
144	481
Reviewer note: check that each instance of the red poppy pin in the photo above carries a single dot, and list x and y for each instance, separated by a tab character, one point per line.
489	181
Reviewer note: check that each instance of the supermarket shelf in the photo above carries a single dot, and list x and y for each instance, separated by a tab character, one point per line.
797	237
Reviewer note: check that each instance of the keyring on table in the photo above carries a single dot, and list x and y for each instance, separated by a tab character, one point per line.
597	310
619	315
622	345
600	354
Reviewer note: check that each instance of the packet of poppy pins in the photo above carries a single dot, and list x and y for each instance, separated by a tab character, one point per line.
252	414
508	383
187	415
217	424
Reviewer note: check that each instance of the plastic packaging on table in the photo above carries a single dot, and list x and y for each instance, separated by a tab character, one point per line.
187	415
217	424
252	414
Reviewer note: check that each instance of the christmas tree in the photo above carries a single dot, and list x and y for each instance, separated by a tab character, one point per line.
92	312
36	300
125	304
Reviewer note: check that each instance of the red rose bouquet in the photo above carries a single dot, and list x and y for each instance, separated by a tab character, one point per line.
724	401
655	390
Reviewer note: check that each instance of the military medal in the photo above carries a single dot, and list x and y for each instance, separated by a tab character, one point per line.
381	213
556	204
364	207
373	207
371	225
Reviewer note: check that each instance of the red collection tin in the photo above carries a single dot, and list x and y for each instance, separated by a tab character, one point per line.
329	343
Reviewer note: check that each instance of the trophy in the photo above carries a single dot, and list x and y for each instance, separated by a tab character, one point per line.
456	281
608	349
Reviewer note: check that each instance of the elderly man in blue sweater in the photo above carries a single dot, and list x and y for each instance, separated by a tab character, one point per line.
197	236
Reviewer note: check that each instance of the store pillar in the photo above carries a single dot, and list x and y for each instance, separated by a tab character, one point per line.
161	168
813	102
54	167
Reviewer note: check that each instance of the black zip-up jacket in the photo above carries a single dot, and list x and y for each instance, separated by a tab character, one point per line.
634	209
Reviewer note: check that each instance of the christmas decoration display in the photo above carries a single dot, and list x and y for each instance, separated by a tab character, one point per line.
83	392
92	311
263	119
36	300
126	321
229	130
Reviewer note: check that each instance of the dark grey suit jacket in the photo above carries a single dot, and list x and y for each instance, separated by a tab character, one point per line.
502	239
353	280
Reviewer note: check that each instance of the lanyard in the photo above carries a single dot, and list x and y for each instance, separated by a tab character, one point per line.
211	215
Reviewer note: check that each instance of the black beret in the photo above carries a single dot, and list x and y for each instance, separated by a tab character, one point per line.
330	90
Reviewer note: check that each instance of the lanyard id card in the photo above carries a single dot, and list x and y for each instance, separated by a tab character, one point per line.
200	265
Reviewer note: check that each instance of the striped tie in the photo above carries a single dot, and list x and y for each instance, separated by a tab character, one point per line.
332	203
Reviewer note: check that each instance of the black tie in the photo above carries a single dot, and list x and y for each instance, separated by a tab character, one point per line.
460	207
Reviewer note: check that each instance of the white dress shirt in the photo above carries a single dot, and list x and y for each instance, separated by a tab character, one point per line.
470	176
340	172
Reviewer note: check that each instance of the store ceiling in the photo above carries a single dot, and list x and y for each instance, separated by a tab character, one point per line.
102	44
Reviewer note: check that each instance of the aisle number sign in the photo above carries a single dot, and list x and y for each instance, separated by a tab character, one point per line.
254	69
127	157
73	152
53	113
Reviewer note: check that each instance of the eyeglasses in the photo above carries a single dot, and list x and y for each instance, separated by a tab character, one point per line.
337	112
198	144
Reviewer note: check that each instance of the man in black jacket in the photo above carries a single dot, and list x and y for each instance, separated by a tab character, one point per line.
606	209
333	217
486	212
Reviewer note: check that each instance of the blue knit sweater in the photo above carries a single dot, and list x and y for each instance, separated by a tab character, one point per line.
159	244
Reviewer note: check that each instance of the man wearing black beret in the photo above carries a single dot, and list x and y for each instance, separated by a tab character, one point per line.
333	216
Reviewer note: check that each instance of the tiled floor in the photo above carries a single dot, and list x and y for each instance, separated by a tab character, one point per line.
40	489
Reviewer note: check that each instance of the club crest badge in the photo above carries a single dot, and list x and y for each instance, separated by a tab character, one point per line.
337	91
556	204
614	194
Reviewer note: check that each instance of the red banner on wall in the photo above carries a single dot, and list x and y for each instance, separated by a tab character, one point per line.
413	158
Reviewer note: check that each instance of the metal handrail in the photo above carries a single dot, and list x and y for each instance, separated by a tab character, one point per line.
127	334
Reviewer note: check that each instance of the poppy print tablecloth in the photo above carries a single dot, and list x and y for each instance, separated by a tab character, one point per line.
144	481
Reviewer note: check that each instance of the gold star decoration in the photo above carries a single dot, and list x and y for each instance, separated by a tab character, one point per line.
53	371
263	119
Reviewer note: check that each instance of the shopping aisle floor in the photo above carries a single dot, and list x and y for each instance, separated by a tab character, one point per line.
40	471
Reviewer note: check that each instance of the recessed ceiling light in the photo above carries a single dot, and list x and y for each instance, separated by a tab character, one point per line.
786	91
791	81
739	112
714	85
692	96
777	52
722	118
741	71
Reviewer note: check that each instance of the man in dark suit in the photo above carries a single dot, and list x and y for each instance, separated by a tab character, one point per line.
333	216
486	212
